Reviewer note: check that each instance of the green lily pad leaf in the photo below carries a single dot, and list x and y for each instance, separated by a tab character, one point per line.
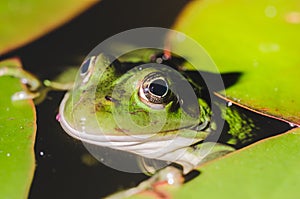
259	39
269	169
17	135
23	21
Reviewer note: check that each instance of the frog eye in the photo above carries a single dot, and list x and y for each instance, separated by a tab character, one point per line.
154	89
86	68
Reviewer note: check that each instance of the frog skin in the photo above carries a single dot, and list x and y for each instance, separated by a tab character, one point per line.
112	105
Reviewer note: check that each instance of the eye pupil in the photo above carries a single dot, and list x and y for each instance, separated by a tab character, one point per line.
154	90
158	87
85	66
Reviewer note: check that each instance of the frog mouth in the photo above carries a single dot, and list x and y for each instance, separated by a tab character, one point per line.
166	148
127	139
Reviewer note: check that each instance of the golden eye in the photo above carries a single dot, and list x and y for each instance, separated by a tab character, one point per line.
155	89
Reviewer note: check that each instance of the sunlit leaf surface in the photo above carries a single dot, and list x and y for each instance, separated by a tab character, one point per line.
259	39
17	135
267	170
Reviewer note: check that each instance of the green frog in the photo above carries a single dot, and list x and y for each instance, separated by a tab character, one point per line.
150	104
147	102
142	107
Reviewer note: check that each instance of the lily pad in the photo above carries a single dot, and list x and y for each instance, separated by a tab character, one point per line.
251	167
269	169
17	135
259	39
23	21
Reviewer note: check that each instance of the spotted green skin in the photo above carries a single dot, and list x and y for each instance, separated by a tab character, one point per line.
89	100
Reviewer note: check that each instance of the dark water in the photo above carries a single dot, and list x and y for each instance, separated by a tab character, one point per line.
60	171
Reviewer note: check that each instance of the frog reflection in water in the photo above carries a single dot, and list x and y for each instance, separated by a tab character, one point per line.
152	106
